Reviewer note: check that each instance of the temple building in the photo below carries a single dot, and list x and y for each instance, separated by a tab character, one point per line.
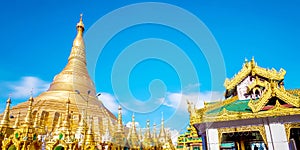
69	115
258	113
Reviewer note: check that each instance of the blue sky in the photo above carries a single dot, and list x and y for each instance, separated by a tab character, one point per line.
37	37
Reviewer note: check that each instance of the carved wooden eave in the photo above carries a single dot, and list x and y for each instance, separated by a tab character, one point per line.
251	68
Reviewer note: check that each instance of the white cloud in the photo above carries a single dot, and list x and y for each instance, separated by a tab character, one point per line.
27	84
192	87
178	100
129	124
109	101
174	134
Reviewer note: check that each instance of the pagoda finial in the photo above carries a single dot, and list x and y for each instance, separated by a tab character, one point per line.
66	121
132	118
119	116
80	23
162	133
17	122
162	119
5	119
252	61
90	135
29	111
78	49
154	130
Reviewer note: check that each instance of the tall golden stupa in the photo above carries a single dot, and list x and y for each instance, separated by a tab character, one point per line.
73	83
69	116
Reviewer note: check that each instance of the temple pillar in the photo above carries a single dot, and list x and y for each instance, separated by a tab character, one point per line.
276	136
242	144
212	139
203	136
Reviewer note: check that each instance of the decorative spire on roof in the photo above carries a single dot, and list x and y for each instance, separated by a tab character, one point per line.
80	23
66	122
90	141
133	139
148	134
17	122
162	134
28	118
80	28
154	131
120	125
147	142
5	119
133	125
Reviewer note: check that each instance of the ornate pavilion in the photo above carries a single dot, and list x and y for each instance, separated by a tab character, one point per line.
69	116
258	113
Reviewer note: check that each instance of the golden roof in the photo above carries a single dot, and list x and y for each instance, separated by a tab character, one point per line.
274	100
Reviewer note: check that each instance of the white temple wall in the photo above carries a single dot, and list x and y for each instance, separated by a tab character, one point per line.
212	139
276	136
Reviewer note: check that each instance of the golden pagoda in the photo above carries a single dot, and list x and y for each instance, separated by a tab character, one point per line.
133	139
257	113
69	115
73	83
148	140
119	139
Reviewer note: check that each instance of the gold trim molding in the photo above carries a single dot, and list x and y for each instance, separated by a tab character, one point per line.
288	128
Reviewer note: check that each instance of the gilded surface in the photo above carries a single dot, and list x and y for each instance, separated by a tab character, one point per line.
288	128
72	83
251	68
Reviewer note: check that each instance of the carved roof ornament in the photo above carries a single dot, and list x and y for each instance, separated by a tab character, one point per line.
5	120
251	68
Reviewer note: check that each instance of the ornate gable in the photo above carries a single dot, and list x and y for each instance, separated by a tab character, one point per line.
253	93
250	70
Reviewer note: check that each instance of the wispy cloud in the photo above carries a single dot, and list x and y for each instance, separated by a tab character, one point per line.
26	86
109	101
178	100
129	124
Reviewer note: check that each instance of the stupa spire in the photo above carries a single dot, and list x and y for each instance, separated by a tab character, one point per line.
132	132
120	117
66	122
17	122
90	141
154	130
28	118
148	134
78	49
162	133
5	119
76	69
